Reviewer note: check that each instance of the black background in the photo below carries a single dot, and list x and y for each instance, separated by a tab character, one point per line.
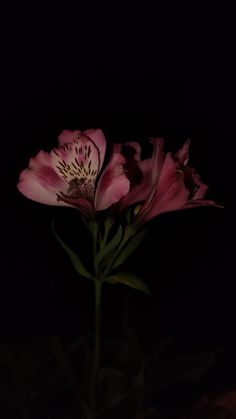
134	74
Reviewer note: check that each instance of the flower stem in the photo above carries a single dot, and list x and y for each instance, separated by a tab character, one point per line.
97	346
97	349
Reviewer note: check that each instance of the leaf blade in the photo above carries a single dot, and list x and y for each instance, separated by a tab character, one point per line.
128	279
129	248
76	262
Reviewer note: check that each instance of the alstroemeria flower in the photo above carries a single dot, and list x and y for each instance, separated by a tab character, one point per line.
175	184
70	175
166	182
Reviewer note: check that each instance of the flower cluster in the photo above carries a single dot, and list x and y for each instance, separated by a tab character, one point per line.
81	174
74	174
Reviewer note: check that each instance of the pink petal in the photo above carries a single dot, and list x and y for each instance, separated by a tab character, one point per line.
41	159
173	198
113	183
159	168
68	136
41	186
202	187
183	154
173	189
158	158
99	140
167	172
96	135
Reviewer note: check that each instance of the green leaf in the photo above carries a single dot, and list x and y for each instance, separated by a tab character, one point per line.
129	248
78	265
110	247
129	215
128	279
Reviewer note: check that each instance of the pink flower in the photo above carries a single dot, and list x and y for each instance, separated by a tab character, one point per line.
70	175
166	182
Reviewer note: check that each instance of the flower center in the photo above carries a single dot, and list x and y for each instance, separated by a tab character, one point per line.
81	188
78	166
78	188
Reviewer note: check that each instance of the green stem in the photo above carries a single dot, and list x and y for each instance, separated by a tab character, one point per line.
107	226
97	349
97	346
94	234
94	231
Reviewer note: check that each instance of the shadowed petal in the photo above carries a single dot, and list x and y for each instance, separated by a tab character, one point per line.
139	192
132	153
113	183
81	204
131	150
201	203
183	154
143	175
193	182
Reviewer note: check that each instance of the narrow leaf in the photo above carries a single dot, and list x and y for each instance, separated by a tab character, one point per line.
129	248
78	265
128	279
